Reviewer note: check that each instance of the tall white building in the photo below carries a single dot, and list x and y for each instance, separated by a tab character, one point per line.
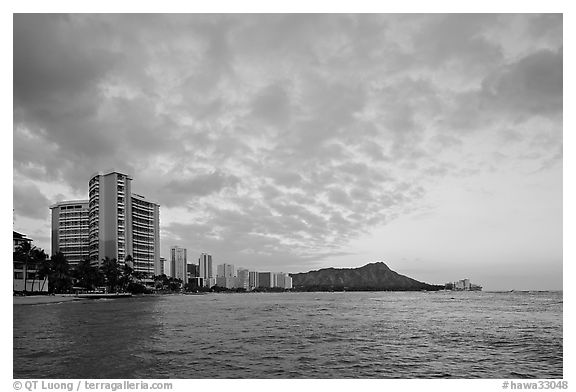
145	234
70	230
123	223
113	223
178	263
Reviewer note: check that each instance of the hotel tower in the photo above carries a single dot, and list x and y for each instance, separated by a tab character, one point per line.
70	230
117	223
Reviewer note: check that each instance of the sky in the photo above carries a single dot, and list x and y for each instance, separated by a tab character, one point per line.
294	142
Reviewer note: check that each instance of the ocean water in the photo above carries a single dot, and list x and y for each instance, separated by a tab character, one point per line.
294	335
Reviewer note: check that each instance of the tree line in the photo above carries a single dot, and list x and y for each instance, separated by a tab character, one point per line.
64	278
110	275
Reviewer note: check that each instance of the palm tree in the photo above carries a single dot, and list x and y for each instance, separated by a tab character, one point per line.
88	275
60	273
44	271
38	257
111	272
127	277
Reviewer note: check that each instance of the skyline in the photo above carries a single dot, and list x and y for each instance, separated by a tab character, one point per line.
432	143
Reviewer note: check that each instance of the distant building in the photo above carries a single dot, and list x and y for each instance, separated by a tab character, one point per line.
196	283
192	272
225	270
226	281
463	285
70	230
161	270
242	279
283	280
178	263
266	279
205	270
253	280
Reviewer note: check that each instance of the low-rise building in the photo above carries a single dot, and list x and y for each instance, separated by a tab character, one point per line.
463	285
26	277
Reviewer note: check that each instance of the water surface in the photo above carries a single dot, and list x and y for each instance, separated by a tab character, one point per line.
294	335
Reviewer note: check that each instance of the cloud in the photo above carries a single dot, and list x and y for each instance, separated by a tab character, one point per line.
273	105
530	86
200	185
53	67
457	38
282	137
29	201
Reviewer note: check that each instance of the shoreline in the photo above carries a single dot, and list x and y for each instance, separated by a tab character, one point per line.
43	299
59	298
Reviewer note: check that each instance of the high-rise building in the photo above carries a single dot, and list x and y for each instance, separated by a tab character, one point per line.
253	281
226	281
110	228
205	269
283	280
178	263
70	230
122	223
266	279
145	234
242	279
225	270
288	282
279	279
113	223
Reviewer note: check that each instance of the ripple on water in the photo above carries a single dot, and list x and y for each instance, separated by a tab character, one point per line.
298	335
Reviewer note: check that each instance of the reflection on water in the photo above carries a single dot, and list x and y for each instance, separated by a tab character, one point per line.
294	335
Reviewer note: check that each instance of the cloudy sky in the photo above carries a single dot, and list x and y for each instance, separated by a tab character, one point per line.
297	142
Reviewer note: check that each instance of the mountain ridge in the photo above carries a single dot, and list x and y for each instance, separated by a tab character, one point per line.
376	276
